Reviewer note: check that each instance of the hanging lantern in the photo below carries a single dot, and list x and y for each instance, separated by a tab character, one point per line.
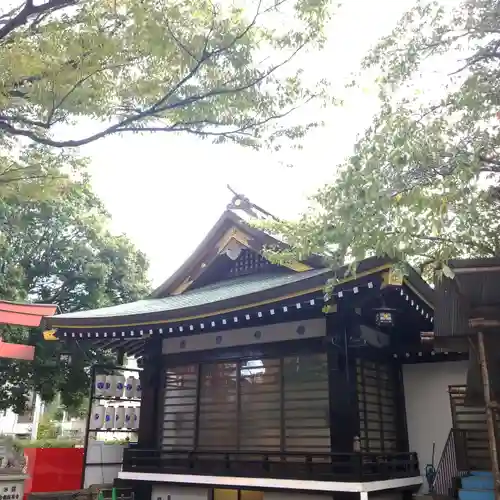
66	358
385	317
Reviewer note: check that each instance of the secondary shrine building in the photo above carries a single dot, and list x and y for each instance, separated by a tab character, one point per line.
256	388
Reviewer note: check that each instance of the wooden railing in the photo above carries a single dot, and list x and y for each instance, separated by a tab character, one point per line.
452	464
314	466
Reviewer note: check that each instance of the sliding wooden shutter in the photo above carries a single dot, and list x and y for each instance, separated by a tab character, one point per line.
265	404
260	404
179	421
306	403
218	407
377	405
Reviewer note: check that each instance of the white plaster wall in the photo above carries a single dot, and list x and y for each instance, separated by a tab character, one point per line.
8	421
111	458
37	415
10	425
428	412
168	492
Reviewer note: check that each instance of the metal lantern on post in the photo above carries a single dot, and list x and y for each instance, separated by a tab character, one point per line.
66	358
385	317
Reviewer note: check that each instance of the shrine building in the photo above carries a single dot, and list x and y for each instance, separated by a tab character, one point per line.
258	386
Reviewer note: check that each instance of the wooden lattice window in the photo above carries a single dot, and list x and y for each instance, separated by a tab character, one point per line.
306	403
377	406
249	262
218	407
179	412
259	404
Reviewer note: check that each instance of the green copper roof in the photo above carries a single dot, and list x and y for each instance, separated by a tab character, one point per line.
210	294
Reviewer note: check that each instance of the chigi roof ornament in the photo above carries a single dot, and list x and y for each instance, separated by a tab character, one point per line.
242	203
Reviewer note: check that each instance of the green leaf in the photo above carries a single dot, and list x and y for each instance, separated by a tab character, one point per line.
191	66
423	182
59	250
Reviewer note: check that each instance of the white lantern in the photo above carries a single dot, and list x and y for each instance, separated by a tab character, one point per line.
100	384
137	417
108	386
118	386
97	417
130	385
138	389
119	417
129	417
109	419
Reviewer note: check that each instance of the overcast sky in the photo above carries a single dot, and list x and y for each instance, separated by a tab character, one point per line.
167	191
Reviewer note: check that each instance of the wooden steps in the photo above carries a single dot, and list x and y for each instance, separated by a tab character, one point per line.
472	420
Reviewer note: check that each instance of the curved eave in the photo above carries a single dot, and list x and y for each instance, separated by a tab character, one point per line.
370	272
298	288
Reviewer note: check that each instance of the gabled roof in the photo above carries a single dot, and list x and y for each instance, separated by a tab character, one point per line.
229	229
199	289
209	285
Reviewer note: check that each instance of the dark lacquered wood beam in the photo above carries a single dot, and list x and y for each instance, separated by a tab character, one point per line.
342	383
151	385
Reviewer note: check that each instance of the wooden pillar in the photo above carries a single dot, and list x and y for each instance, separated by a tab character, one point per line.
401	424
344	418
490	414
152	385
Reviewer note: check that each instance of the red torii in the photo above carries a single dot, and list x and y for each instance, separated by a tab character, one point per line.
30	315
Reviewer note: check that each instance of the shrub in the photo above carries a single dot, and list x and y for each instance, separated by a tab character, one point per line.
20	444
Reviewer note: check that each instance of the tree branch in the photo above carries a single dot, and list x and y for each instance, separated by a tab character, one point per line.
154	110
440	239
29	9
